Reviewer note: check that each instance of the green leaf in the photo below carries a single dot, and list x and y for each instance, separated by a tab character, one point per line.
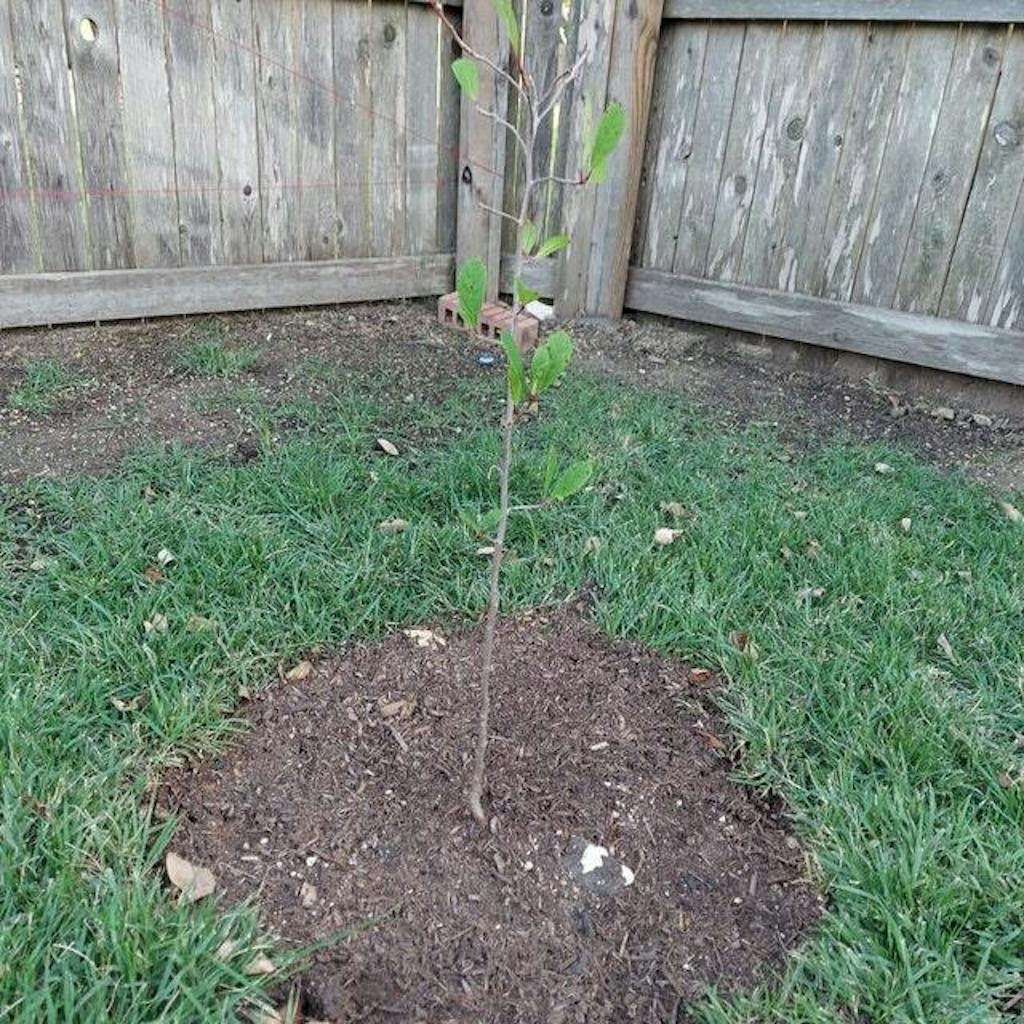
468	76
514	367
524	294
530	235
606	139
508	16
573	480
556	243
471	283
550	471
549	362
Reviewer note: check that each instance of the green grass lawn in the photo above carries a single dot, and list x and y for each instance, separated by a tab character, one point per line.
887	711
47	383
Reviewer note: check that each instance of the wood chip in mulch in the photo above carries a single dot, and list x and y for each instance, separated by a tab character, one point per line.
344	804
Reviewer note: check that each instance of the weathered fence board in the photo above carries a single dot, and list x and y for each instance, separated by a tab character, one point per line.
354	137
18	247
798	254
190	60
711	132
240	236
998	181
128	294
951	168
50	134
743	150
971	349
148	134
871	114
775	186
670	142
848	10
317	121
421	132
906	156
388	89
93	56
482	148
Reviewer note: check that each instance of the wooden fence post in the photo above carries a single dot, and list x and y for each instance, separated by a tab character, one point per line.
621	40
482	145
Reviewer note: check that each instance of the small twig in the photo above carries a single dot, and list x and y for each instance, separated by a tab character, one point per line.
504	122
497	212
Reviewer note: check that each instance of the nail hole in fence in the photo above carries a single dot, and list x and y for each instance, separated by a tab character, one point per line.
88	30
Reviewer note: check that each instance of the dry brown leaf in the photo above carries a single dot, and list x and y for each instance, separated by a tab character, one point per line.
164	558
883	468
813	548
785	553
135	704
800	515
227	949
810	594
308	895
426	638
299	672
194	883
488	549
1011	512
664	536
401	707
260	965
906	523
154	575
592	545
157	624
712	740
386	446
740	640
1006	780
946	647
393	525
700	675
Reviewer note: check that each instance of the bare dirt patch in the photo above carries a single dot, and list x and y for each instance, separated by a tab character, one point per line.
344	803
139	395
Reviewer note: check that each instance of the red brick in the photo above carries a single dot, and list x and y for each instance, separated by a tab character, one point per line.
495	317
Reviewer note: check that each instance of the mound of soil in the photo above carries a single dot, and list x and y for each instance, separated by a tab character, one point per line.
344	805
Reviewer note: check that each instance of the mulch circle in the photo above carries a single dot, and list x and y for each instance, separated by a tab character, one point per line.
344	804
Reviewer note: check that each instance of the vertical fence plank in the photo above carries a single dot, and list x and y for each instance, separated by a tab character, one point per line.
17	243
951	164
240	236
448	143
743	151
543	50
278	132
594	268
572	16
899	181
1005	305
388	88
92	48
50	136
421	130
630	80
354	134
710	133
871	115
670	141
482	148
190	50
771	205
515	169
597	21
148	134
994	194
316	122
799	258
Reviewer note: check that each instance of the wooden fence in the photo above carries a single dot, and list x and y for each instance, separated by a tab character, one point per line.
150	148
849	174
